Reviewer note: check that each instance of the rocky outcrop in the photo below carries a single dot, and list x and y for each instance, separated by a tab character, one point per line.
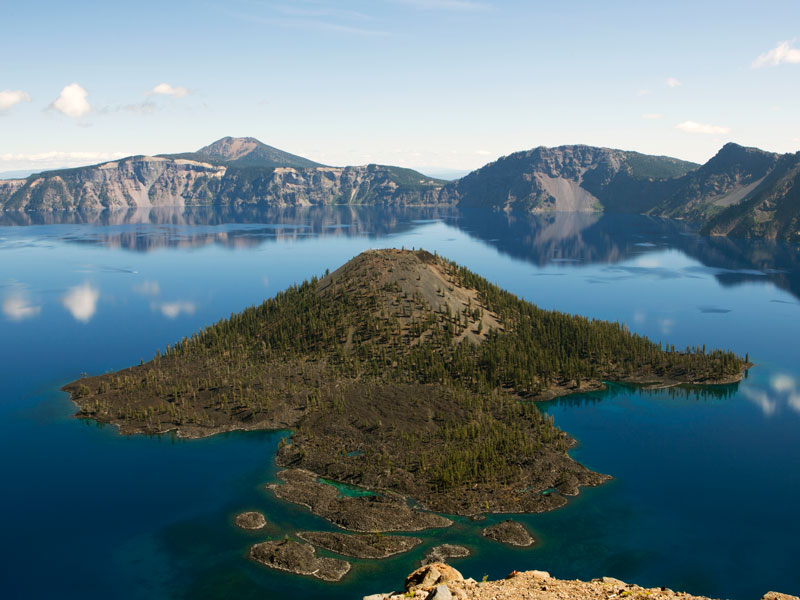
441	582
250	520
509	532
299	558
369	545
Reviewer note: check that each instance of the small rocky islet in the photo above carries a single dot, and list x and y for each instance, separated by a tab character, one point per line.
299	558
250	520
509	532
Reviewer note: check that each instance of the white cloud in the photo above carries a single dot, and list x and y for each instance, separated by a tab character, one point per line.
172	310
18	307
639	317
482	152
147	288
694	127
783	53
72	101
81	302
10	98
652	116
673	83
643	93
794	402
165	89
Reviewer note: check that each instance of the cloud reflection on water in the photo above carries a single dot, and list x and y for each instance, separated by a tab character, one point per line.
81	301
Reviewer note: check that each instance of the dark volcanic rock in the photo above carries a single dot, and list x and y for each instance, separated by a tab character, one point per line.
250	520
371	545
509	532
298	558
363	513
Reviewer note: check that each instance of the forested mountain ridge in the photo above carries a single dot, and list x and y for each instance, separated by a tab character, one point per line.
399	371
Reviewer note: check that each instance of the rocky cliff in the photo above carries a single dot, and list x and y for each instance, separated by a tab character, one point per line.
570	178
146	181
771	210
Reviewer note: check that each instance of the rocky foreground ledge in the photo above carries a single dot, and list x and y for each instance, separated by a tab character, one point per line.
439	581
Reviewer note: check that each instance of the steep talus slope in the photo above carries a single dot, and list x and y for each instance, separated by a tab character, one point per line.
733	174
772	211
568	178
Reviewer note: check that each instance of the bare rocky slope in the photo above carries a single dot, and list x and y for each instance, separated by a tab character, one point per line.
440	581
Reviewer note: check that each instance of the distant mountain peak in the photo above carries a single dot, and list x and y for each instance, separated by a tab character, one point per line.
251	152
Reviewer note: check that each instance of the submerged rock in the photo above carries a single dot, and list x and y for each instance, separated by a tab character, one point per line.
371	545
509	532
440	554
299	558
250	520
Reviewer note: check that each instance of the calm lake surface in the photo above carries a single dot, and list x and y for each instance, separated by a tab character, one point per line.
706	483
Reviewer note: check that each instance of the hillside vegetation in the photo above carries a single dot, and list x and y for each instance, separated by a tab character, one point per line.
399	371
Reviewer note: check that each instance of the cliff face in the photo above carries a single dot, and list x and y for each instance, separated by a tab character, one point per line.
133	182
771	210
158	181
570	178
730	177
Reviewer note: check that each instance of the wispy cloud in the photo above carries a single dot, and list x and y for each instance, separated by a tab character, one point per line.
81	302
695	127
166	89
18	307
643	92
673	83
652	116
312	18
482	152
10	98
72	101
781	54
455	5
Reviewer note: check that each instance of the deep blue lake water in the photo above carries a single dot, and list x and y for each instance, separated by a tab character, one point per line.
706	482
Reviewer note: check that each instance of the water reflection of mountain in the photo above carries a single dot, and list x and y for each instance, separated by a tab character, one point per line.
147	229
586	238
557	238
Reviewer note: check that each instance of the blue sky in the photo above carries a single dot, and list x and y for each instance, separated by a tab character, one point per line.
437	84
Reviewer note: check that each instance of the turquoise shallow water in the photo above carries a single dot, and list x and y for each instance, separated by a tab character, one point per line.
705	483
